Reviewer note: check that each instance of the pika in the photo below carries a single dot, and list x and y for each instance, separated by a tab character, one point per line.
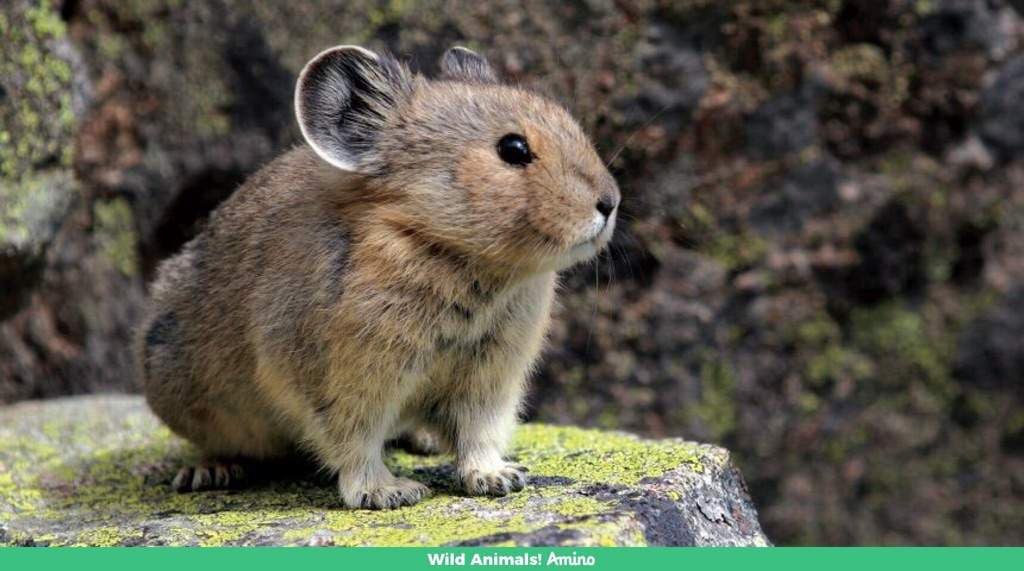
393	275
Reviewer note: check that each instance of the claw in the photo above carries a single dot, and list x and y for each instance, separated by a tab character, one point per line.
511	478
402	492
201	478
207	476
182	481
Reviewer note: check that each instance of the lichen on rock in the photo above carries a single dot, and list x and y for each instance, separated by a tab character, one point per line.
38	116
96	471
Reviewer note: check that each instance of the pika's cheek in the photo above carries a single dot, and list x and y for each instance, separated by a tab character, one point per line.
493	192
475	171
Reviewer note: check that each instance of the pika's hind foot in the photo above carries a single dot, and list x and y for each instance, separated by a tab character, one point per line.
208	476
420	441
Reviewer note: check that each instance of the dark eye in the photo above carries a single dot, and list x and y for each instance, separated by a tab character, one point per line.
512	149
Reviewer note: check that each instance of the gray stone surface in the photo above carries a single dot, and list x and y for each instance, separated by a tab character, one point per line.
96	471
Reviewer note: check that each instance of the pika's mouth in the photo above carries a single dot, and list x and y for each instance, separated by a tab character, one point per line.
604	234
589	247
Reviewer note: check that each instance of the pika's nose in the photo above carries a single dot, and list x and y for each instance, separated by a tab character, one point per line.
607	205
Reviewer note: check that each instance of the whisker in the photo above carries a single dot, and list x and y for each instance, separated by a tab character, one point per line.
633	135
625	257
593	313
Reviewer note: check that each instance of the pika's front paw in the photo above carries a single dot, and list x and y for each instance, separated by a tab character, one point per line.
510	478
399	492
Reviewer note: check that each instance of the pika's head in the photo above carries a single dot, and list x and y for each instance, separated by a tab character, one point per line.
490	171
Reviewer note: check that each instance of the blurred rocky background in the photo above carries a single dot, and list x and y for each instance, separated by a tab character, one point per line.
821	261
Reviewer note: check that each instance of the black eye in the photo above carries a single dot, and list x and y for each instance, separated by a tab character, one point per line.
512	149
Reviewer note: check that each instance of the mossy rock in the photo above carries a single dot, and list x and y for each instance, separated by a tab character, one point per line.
96	471
39	108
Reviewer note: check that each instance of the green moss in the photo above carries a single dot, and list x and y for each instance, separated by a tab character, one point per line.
115	234
924	7
389	12
593	456
45	21
211	99
737	250
31	208
886	356
38	82
99	477
734	250
860	61
36	128
835	362
111	47
892	330
905	352
784	28
142	27
608	418
579	506
818	331
107	537
826	356
608	533
867	64
716	408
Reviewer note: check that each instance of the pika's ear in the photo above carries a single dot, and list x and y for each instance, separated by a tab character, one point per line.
463	64
343	99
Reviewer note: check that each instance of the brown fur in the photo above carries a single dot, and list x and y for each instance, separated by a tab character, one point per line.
352	291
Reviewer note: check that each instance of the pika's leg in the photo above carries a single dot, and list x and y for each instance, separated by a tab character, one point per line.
348	434
357	457
230	449
367	483
225	424
484	422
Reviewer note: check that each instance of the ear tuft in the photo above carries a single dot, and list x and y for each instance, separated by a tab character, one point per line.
343	99
463	64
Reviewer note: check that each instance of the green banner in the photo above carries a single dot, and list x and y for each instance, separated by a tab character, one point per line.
632	559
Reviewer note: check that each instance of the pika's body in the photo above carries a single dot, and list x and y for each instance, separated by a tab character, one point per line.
394	275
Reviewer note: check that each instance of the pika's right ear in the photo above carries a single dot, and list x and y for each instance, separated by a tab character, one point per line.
343	99
463	64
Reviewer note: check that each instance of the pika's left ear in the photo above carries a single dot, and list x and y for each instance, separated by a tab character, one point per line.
344	99
463	64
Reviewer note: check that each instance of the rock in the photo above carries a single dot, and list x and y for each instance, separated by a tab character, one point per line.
31	210
796	178
807	191
890	249
673	73
965	24
1002	110
96	471
152	159
63	248
783	125
990	351
40	101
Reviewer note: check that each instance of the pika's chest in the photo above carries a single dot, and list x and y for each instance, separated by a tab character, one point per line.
473	324
435	328
480	326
